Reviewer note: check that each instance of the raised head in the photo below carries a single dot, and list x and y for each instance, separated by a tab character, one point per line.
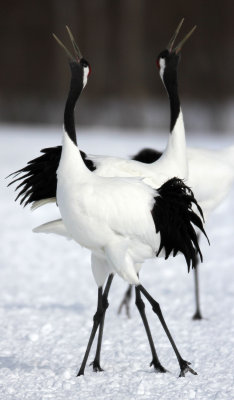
167	60
80	70
78	64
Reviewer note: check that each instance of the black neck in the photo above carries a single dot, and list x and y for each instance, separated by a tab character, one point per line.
174	106
170	81
76	86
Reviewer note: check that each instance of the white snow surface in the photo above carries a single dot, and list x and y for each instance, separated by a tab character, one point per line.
48	297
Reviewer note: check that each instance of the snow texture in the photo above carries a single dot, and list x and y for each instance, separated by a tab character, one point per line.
48	297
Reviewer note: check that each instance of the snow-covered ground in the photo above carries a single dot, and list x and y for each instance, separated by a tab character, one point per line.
48	297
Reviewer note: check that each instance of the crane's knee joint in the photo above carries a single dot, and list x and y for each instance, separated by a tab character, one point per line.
156	307
105	303
98	315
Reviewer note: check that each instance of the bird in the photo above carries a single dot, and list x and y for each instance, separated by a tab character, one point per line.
122	220
38	180
211	176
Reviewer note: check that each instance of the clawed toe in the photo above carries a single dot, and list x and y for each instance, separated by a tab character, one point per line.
197	316
96	366
158	367
80	373
184	368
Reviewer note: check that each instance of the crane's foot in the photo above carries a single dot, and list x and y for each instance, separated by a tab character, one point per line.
184	368
197	316
81	372
157	366
96	366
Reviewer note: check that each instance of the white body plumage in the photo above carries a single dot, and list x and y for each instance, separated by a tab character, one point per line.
210	172
211	175
173	161
110	216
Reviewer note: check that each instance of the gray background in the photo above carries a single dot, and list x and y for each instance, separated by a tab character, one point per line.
121	40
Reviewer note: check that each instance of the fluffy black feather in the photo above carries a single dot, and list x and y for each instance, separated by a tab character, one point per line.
147	156
38	180
175	220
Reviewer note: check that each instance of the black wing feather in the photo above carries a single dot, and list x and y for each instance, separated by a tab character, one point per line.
38	179
175	220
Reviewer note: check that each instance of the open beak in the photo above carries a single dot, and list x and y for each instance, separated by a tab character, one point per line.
180	45
170	44
178	48
78	55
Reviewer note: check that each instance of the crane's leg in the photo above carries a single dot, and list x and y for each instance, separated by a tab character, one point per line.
184	365
96	321
126	300
105	304
197	314
141	308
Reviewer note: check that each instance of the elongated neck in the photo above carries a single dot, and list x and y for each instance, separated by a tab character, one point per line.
174	104
176	141
75	90
71	163
176	146
169	78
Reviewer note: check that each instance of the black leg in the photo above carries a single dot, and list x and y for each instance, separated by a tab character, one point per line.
105	304
96	321
141	308
197	314
184	365
126	300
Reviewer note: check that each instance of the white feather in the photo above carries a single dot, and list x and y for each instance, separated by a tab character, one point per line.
85	76
40	203
210	172
211	176
162	65
173	162
110	216
57	227
100	268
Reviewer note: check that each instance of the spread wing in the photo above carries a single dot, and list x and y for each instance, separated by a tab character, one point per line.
38	179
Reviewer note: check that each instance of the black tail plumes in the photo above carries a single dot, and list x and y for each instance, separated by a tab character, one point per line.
175	220
38	180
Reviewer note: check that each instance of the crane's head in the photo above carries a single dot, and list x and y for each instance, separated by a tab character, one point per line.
167	60
78	64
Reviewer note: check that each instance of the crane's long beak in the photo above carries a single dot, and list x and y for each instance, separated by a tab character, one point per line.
182	42
180	45
172	40
74	44
70	56
77	51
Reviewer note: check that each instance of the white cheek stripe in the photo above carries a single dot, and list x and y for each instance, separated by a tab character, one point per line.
162	67
85	76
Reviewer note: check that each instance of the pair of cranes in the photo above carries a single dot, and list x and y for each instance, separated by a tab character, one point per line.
124	211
